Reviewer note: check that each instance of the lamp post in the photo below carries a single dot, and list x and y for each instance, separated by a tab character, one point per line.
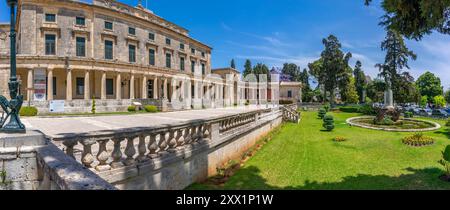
12	107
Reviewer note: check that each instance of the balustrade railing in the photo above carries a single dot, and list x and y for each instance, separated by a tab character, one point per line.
290	113
115	149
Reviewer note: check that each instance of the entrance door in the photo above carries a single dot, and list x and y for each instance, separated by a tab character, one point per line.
150	89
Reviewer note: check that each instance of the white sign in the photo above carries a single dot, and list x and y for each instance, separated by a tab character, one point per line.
56	106
40	85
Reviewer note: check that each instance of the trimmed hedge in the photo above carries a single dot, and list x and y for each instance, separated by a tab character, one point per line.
349	109
151	109
285	102
322	112
131	108
28	111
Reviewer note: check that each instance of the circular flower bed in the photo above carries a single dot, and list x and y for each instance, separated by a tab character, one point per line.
403	125
418	140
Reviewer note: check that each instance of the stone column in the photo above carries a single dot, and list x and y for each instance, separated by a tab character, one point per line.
69	85
30	85
49	84
144	87
87	89
155	88
165	88
132	87
118	86
103	86
196	90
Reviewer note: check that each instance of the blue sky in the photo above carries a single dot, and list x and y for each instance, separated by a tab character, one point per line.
278	31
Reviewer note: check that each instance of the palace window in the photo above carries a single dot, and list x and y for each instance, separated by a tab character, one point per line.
108	25
168	60
151	57
168	41
203	54
50	18
150	88
289	93
182	63
203	69
131	53
54	86
151	36
81	46
181	46
80	86
50	44
131	31
109	87
193	66
80	21
108	49
193	51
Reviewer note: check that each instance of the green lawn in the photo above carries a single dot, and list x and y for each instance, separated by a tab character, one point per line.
304	157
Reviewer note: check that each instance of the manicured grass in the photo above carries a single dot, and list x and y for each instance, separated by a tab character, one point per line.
304	157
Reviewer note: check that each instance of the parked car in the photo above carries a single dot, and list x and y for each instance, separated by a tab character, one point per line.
441	113
425	112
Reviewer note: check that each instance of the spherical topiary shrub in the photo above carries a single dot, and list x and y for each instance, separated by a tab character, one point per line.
328	122
28	111
151	109
322	113
132	108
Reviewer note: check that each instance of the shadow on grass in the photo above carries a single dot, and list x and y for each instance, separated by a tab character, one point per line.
445	132
413	179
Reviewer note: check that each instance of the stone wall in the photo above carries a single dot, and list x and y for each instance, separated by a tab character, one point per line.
192	166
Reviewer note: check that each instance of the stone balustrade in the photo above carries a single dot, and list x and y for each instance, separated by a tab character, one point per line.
290	113
128	147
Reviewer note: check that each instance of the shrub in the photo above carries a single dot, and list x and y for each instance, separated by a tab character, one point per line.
339	139
418	140
445	161
28	111
151	109
328	122
447	123
285	102
348	109
322	113
327	107
409	115
132	108
247	103
439	101
367	109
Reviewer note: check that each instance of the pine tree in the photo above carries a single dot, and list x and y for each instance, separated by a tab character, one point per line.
248	69
233	65
335	66
397	56
360	81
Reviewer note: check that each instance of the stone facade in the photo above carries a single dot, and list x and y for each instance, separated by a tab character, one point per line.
90	73
291	91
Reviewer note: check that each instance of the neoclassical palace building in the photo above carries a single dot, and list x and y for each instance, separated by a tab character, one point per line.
71	52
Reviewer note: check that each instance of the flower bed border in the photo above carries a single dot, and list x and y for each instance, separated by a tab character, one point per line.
436	125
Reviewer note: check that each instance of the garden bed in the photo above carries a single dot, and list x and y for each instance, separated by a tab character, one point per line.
404	125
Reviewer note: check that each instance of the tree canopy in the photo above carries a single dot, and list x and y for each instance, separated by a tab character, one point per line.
248	69
233	64
429	85
416	18
360	81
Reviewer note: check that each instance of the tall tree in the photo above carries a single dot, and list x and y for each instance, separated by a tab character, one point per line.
233	65
349	93
429	85
360	81
292	70
335	66
416	18
307	92
261	69
317	71
248	69
397	56
375	90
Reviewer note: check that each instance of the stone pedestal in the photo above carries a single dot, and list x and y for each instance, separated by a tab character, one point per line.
18	162
388	100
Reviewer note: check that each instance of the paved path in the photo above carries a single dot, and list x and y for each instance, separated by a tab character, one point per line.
54	126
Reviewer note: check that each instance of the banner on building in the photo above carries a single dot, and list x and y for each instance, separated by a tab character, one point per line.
56	106
40	85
